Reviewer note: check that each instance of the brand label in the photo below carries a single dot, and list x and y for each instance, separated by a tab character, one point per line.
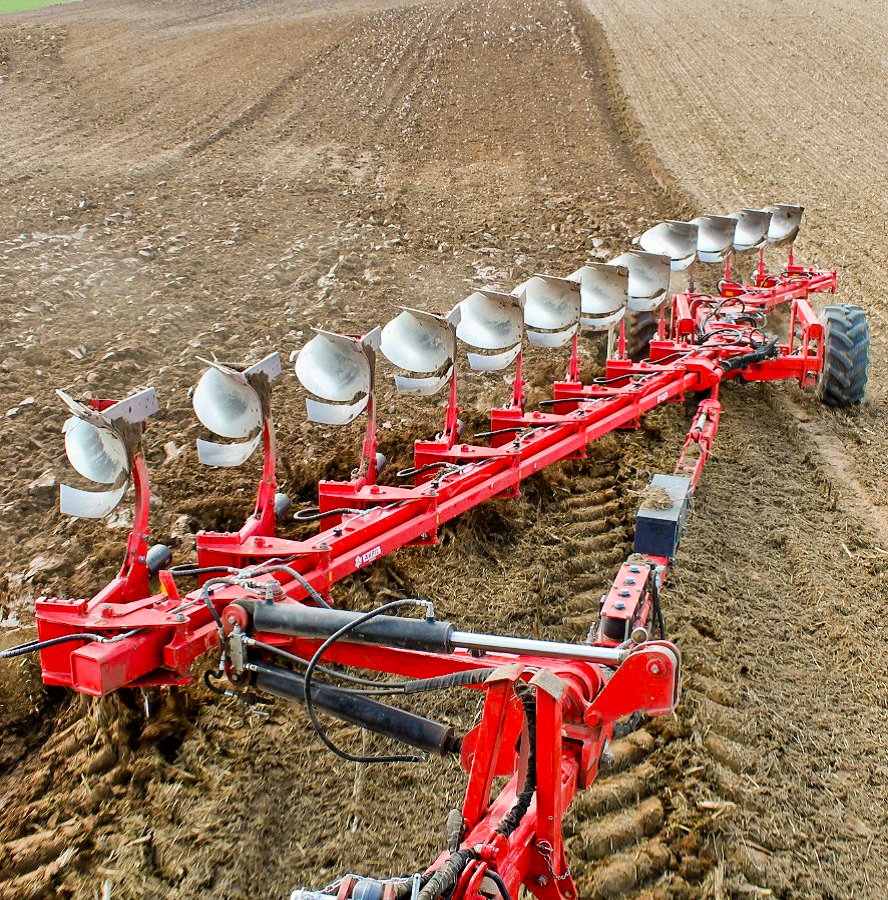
370	555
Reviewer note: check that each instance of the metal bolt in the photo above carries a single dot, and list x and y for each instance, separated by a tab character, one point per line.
639	634
620	605
180	617
542	881
629	581
232	620
624	593
655	668
634	569
592	718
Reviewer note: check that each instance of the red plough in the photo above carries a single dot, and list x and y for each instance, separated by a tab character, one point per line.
550	709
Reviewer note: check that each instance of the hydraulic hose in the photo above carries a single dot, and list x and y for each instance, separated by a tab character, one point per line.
35	646
513	817
445	879
745	360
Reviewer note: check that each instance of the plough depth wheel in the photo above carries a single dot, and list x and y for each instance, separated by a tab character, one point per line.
845	355
641	329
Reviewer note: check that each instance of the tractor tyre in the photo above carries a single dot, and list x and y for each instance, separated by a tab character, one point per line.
641	327
845	355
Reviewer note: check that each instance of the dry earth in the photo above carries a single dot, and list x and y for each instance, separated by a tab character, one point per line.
181	179
788	101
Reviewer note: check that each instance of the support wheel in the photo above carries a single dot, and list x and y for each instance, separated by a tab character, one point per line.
845	355
641	327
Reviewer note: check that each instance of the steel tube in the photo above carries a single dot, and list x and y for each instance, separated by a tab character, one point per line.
298	620
495	643
398	724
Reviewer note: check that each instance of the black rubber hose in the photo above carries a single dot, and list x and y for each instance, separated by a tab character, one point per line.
416	686
428	467
208	601
444	682
447	877
510	430
565	400
716	310
313	513
309	673
35	646
514	816
449	874
293	573
186	570
404	889
209	675
655	604
760	354
388	686
496	878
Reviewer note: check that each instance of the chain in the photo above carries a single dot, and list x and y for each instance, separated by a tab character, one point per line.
546	850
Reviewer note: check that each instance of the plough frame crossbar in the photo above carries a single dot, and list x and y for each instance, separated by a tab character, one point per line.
157	638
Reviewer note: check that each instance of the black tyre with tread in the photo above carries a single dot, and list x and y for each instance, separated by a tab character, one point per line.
641	327
845	355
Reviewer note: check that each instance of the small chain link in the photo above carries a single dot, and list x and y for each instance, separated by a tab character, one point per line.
546	850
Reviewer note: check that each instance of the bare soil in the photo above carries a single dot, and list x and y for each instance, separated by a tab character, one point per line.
183	179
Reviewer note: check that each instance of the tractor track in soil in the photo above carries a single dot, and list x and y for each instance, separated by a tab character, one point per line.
216	178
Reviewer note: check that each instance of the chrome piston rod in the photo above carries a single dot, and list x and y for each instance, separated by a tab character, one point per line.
495	643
